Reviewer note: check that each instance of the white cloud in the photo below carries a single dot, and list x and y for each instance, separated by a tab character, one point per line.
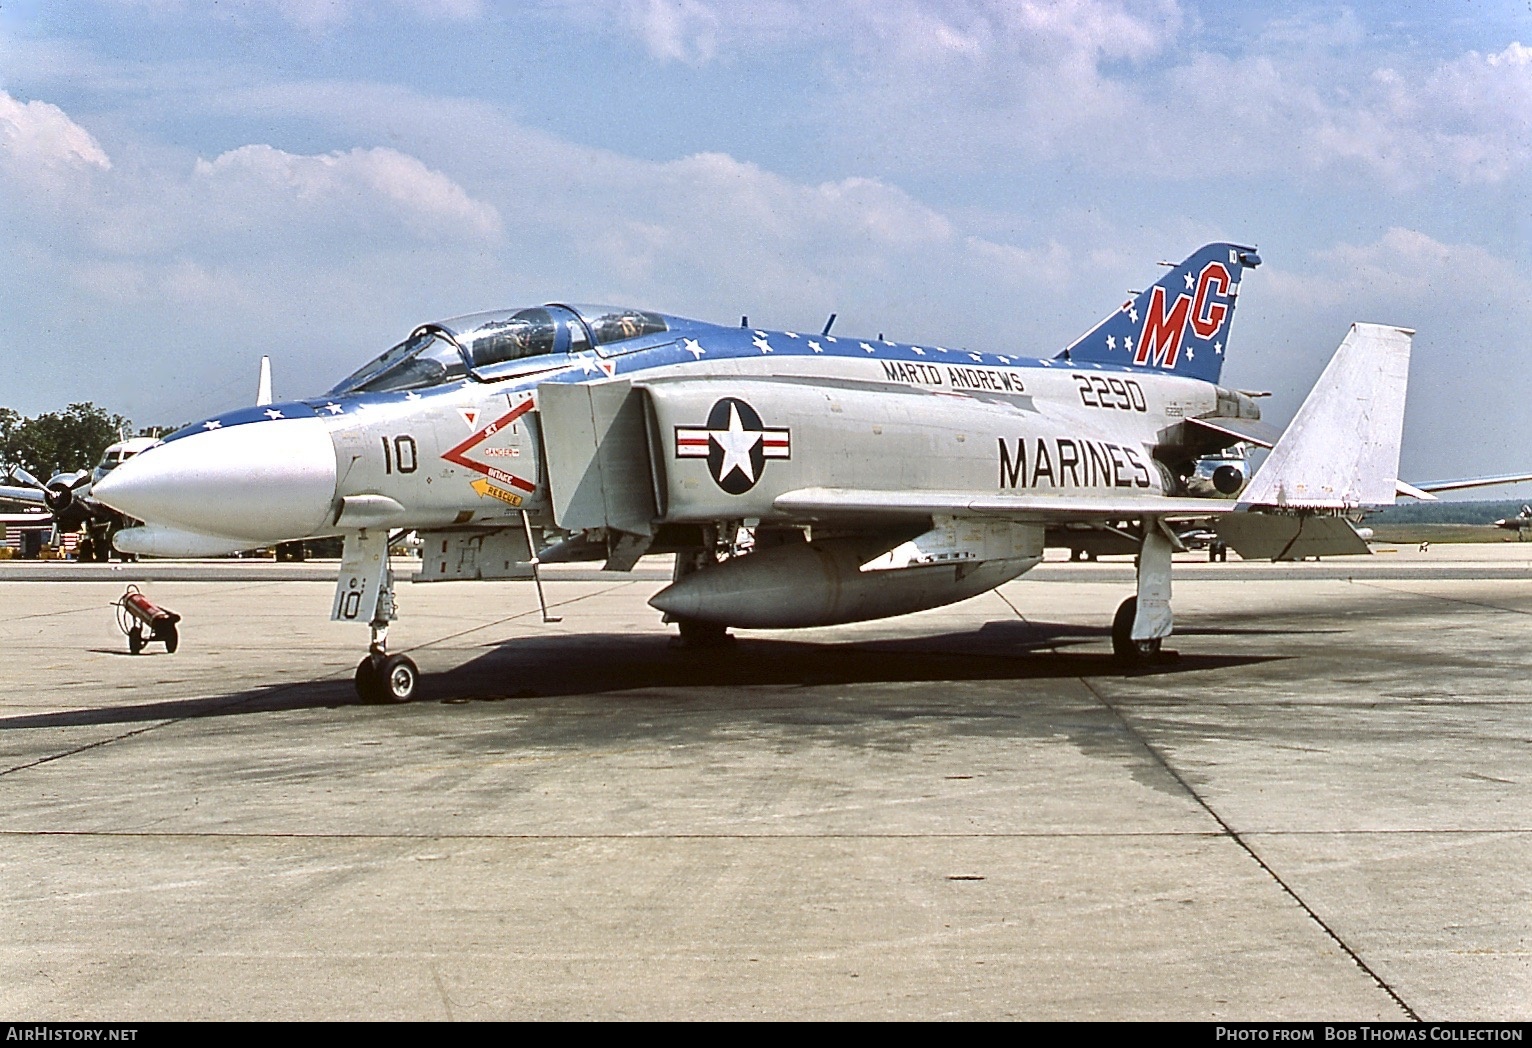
40	137
1468	120
967	84
676	30
726	230
179	282
324	14
1404	270
1470	309
698	31
1046	33
362	182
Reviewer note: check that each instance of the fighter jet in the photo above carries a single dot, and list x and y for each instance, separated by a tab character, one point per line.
867	477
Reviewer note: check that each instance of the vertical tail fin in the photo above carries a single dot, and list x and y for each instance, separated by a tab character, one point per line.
263	384
1180	325
1342	448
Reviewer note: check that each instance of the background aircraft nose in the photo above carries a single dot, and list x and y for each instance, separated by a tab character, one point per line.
265	481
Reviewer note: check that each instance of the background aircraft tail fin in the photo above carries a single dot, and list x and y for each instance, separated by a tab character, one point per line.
1342	448
1180	325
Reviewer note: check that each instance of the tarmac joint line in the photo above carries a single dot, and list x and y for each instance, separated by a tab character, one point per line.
1245	846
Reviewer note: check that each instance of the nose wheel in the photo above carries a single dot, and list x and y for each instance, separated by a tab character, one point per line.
387	678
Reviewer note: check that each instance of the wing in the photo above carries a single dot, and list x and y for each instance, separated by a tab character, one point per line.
1467	482
11	494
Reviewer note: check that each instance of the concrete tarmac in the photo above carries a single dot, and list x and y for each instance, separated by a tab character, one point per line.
1321	810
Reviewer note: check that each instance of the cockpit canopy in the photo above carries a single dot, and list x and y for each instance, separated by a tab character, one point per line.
115	456
118	453
489	345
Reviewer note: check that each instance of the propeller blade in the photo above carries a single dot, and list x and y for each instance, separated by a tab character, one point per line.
26	478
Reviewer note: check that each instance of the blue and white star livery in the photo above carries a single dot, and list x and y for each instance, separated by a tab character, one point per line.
874	477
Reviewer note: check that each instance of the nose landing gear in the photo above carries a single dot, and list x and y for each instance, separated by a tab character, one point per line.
365	593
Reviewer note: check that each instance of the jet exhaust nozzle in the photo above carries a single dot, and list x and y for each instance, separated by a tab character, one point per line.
1227	480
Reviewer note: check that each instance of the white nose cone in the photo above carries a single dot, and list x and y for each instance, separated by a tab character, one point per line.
263	481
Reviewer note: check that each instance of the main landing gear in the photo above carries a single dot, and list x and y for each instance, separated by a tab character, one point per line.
1123	645
1144	621
694	634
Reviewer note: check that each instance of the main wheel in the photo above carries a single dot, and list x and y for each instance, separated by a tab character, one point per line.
1123	644
367	684
695	634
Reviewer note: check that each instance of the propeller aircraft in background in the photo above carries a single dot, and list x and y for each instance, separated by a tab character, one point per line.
70	505
67	495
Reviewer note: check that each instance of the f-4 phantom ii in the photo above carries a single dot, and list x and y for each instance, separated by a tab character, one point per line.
875	477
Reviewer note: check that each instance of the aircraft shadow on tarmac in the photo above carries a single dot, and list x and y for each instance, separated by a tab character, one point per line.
579	665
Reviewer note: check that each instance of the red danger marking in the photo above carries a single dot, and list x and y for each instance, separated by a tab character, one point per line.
459	454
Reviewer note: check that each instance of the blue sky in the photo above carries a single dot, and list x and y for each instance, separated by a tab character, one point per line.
186	186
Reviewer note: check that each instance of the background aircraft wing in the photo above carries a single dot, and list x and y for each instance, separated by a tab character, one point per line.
1461	483
14	494
826	504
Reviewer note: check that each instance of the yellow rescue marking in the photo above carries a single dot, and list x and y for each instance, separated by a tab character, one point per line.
484	487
